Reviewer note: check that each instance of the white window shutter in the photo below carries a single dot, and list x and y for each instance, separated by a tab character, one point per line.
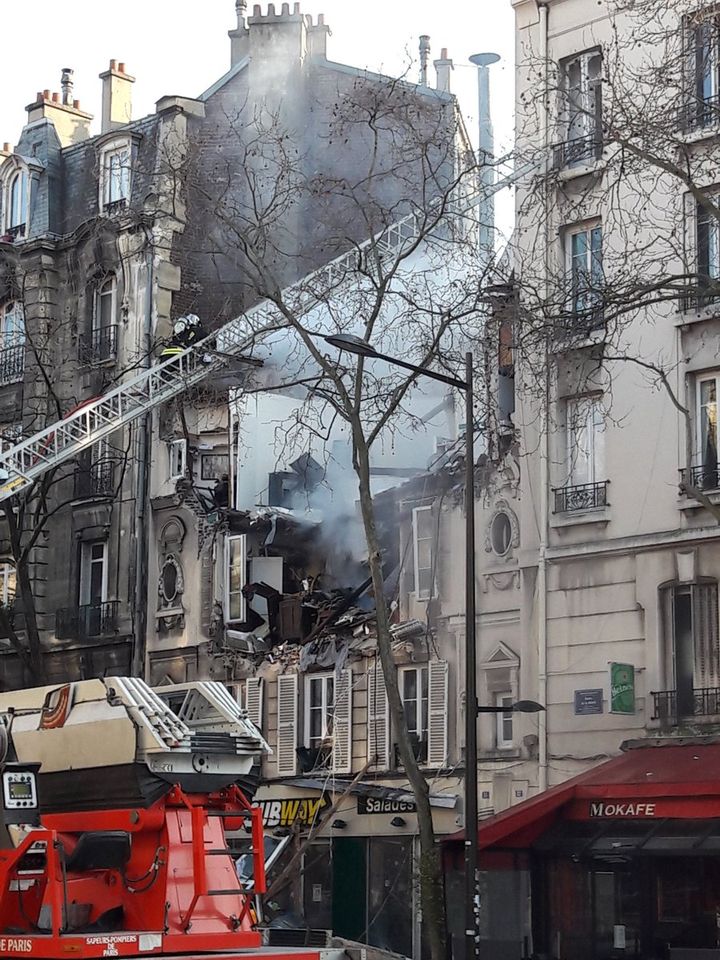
254	700
342	723
378	719
437	713
287	696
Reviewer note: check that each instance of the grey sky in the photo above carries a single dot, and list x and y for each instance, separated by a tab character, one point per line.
181	47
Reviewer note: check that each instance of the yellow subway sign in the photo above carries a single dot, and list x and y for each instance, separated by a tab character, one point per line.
293	811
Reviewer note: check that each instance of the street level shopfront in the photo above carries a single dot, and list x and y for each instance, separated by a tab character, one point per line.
622	861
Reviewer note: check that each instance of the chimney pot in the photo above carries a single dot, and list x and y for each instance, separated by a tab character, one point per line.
257	10
56	98
296	8
443	53
38	96
321	19
76	104
6	148
121	67
46	95
113	64
271	10
285	10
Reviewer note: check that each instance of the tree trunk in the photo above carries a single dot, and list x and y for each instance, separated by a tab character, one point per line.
431	878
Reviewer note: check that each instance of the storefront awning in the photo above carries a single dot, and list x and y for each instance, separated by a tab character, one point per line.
648	782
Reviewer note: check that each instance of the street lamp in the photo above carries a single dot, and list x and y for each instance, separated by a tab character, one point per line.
361	348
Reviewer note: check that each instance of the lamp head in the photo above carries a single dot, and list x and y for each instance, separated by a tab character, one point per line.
527	706
351	344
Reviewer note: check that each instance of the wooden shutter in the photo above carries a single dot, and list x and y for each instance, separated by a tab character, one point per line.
378	719
287	696
254	700
705	635
437	713
342	723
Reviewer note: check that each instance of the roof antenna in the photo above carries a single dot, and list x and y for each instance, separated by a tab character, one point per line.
424	59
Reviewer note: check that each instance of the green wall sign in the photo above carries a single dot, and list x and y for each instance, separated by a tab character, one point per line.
622	688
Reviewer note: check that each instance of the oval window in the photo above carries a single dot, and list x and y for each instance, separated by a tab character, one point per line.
501	534
169	579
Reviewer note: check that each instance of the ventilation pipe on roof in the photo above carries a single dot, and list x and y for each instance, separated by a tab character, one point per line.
424	59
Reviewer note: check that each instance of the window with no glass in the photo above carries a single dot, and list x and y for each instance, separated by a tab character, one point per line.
319	709
115	175
423	530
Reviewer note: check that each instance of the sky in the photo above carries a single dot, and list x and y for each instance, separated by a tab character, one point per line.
181	47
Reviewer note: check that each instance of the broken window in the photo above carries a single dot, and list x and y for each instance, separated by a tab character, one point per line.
177	456
115	175
423	551
235	576
8	583
319	709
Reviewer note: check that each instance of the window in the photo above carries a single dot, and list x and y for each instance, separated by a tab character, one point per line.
582	82
585	440
501	534
708	246
10	434
705	470
693	622
319	709
103	329
586	276
12	342
414	694
115	179
504	720
93	573
704	69
422	532
214	465
177	453
235	561
16	203
8	584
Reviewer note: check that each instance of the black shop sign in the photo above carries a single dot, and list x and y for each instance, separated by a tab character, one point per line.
377	805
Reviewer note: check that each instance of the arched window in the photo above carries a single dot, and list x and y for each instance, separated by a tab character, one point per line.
17	201
103	332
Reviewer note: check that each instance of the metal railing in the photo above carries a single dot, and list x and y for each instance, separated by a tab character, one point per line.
99	345
115	206
671	705
580	496
12	363
570	153
704	477
700	113
96	480
85	622
17	232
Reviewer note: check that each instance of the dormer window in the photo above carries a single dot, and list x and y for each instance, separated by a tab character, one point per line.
15	204
115	176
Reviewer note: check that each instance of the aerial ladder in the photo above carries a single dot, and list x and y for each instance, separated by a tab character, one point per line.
95	419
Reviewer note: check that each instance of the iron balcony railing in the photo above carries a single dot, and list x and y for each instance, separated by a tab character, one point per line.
670	706
17	232
704	477
115	206
88	621
96	480
99	345
12	363
581	496
571	153
700	113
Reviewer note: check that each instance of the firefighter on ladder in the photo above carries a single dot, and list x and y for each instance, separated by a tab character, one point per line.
187	330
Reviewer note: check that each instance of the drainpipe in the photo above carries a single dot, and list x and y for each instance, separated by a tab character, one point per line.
142	445
544	436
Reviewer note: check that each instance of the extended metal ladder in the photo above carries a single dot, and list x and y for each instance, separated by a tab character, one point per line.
101	416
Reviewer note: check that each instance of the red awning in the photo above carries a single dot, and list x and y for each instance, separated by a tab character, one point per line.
648	781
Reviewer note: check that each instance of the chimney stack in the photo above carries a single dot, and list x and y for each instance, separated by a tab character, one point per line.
116	97
424	59
66	85
486	152
443	69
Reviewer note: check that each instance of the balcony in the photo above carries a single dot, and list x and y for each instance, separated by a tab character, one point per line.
99	345
12	363
706	477
580	151
87	622
700	114
97	480
581	496
17	232
671	706
113	207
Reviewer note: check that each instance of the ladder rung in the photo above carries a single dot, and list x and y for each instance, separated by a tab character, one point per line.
225	893
218	853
